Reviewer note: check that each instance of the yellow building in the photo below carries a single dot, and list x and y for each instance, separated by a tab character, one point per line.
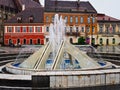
108	30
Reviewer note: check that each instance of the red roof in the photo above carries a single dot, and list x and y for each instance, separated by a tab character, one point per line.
103	17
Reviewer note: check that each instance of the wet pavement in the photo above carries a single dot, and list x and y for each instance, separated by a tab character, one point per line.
103	49
109	49
19	49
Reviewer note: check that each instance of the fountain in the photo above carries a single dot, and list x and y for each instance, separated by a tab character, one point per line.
57	54
58	64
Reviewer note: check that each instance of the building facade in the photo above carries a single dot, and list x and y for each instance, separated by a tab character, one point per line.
9	8
26	28
31	25
80	19
108	30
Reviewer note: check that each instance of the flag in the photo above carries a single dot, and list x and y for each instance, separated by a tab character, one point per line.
111	29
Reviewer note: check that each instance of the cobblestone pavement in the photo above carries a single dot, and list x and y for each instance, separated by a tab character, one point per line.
109	49
104	49
19	49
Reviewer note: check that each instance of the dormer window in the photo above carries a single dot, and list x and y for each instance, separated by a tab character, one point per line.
31	18
19	19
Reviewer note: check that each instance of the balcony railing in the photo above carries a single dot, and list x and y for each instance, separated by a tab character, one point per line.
73	34
111	33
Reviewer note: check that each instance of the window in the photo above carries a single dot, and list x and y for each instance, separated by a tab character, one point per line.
101	41
47	29
18	41
10	41
93	29
17	29
9	29
113	27
70	29
31	18
88	19
113	40
107	29
66	19
52	18
71	19
76	19
82	29
93	20
38	41
101	29
19	19
77	29
24	29
47	19
31	42
5	16
30	29
81	19
24	41
38	29
88	29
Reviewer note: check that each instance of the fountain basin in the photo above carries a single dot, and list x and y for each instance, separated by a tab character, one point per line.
23	71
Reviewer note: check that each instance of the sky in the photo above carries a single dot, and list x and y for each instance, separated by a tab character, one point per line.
108	7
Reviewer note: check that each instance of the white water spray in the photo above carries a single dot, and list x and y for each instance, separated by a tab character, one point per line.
57	33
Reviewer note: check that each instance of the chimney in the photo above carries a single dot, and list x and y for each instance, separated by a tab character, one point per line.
37	1
78	3
23	7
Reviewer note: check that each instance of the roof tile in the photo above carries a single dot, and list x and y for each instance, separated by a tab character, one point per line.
36	13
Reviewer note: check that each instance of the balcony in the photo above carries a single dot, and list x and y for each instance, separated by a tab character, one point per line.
110	33
76	34
118	33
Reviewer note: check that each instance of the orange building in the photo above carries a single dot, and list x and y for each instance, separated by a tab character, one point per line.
80	18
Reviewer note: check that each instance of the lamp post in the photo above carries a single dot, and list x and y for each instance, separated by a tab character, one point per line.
92	30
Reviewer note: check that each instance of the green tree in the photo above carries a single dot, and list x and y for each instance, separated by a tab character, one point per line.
81	41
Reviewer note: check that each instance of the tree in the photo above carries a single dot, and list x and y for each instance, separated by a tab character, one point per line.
81	41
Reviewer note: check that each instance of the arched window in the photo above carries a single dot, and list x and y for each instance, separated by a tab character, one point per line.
113	40
31	42
10	41
24	41
101	41
71	40
18	41
38	41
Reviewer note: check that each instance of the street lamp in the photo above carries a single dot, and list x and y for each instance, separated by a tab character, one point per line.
92	30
